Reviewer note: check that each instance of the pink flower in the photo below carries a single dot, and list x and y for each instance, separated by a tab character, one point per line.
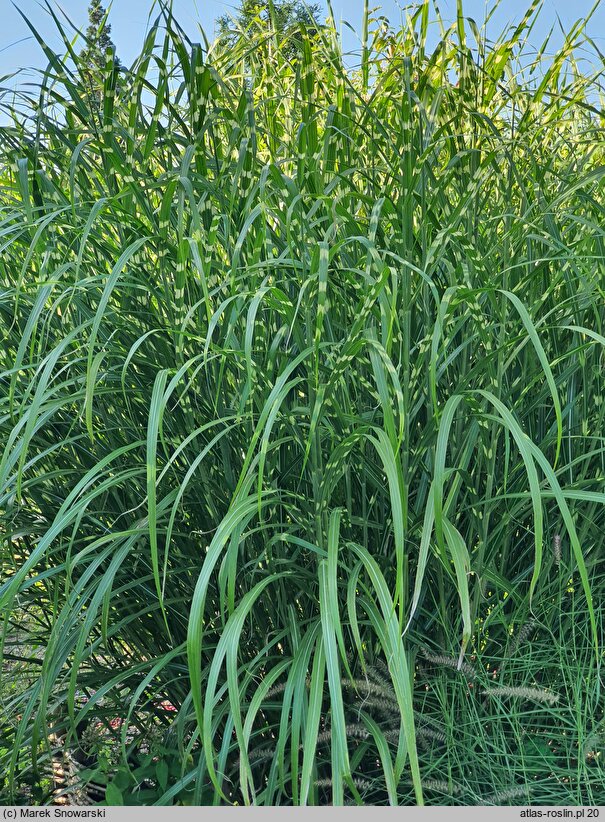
166	705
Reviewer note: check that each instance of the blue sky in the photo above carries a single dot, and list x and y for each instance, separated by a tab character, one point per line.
129	20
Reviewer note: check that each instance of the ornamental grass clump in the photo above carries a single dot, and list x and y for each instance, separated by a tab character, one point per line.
301	361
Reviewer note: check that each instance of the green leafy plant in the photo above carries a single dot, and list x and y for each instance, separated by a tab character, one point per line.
301	376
